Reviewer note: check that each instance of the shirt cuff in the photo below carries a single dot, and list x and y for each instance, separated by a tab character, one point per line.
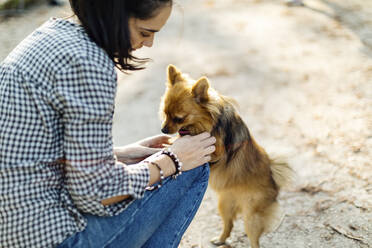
129	180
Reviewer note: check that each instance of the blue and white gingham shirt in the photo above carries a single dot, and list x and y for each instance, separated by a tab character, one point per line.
57	91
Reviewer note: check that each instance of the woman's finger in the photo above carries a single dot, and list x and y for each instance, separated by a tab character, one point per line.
209	150
156	141
208	142
207	159
202	136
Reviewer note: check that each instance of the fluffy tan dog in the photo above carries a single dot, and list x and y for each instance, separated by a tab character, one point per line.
246	180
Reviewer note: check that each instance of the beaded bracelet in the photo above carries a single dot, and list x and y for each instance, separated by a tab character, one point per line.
176	161
161	176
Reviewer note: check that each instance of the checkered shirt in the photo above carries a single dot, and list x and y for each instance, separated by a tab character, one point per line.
57	91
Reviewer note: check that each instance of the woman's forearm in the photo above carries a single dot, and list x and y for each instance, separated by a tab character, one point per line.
167	166
133	153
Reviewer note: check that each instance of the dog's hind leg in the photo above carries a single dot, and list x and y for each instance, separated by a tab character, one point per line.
254	227
227	211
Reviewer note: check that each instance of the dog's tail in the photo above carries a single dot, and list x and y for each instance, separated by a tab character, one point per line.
282	172
283	176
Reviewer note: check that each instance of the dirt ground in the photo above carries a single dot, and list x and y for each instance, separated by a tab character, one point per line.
302	77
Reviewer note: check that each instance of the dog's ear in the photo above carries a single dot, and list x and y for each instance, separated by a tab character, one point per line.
174	75
200	90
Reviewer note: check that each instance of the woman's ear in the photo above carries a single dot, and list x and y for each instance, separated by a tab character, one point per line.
174	75
200	90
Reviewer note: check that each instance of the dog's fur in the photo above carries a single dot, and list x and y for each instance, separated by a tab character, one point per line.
246	180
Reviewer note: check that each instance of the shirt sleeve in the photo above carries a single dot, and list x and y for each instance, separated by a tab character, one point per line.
85	96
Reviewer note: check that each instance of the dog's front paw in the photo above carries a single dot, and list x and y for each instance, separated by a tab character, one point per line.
218	242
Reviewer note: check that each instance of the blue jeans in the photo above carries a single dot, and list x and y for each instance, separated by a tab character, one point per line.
158	220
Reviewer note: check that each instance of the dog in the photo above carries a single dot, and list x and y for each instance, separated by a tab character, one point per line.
246	180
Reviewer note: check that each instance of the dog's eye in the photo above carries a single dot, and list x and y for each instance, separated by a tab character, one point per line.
178	119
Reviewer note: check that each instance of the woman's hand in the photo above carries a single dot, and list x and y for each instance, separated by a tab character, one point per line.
158	141
142	149
194	151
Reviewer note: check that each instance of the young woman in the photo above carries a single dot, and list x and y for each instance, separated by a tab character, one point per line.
62	184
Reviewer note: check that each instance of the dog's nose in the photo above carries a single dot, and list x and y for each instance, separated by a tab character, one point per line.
165	130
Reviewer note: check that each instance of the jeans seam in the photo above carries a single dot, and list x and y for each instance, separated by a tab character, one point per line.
196	203
121	229
189	213
109	241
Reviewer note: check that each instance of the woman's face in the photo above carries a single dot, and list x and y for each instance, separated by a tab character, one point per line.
142	32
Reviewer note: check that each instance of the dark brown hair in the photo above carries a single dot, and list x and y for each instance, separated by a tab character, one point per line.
106	23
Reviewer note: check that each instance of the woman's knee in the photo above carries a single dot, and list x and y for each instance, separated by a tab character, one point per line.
201	173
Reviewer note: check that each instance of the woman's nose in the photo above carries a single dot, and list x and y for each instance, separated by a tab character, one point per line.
148	42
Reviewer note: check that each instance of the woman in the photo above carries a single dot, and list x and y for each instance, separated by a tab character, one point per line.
62	184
